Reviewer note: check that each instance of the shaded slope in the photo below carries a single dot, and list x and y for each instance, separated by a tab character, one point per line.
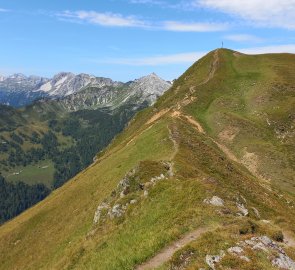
171	159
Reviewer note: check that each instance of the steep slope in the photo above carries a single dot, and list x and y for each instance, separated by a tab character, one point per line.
66	83
50	141
171	173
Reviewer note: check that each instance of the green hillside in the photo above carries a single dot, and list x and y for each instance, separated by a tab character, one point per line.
45	144
204	179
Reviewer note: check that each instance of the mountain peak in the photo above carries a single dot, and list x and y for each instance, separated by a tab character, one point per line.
151	86
153	74
19	76
64	84
150	76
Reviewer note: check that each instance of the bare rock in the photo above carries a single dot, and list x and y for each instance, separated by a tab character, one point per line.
133	201
212	260
260	246
169	168
276	253
245	258
157	178
116	211
256	212
235	250
265	221
123	186
242	209
283	262
250	243
216	201
98	211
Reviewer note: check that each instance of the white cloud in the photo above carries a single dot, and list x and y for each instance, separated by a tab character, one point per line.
193	27
272	13
118	20
180	5
4	10
243	38
151	2
104	19
190	57
180	58
285	48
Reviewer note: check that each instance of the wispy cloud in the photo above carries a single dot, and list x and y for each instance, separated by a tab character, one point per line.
149	2
103	19
271	13
243	38
180	5
194	27
284	48
4	10
118	20
180	58
189	57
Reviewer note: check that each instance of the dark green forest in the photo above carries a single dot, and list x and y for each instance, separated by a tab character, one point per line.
90	130
15	198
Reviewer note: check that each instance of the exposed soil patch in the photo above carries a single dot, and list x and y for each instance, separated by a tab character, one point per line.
228	134
166	254
288	239
190	119
157	116
251	162
226	151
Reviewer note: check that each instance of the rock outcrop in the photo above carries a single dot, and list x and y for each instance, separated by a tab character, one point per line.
215	201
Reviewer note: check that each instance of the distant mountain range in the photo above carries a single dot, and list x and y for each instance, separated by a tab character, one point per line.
48	141
19	90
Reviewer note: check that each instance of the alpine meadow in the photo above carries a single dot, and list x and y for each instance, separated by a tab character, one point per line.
204	156
154	135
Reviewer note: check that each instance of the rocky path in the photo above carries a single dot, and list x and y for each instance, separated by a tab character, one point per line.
175	144
214	66
165	254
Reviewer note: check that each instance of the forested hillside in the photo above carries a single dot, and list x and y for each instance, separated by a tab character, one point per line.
51	151
15	198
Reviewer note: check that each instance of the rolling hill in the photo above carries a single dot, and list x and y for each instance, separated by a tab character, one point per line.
203	179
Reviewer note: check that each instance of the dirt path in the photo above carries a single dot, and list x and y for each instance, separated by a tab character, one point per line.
157	116
226	151
195	123
288	239
175	144
199	128
165	254
190	119
188	98
138	135
213	68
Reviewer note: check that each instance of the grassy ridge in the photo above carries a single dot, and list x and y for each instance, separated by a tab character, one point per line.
59	233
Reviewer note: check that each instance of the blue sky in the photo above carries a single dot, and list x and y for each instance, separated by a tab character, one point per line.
126	39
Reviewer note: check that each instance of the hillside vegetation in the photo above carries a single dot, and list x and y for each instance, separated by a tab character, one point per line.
49	148
51	140
210	166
